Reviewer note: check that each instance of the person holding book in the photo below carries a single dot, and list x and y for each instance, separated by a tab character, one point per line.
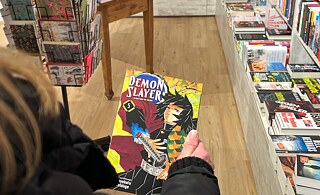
43	153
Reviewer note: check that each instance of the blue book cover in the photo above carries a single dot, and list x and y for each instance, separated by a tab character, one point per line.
296	144
275	66
264	66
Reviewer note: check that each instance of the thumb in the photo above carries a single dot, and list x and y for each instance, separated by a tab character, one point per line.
190	144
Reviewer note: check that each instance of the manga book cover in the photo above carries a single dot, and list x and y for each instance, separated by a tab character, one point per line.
155	115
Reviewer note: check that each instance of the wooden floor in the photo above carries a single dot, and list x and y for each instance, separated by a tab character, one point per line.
188	48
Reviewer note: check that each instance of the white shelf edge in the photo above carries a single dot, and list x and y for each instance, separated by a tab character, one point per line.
306	47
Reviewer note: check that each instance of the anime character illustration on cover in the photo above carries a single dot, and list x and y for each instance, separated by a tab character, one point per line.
155	115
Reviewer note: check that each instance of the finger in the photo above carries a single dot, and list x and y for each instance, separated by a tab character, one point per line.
201	152
190	144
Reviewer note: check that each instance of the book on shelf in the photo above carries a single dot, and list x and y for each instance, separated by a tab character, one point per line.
267	67
272	86
303	71
255	3
288	164
273	77
312	92
284	96
295	106
308	9
276	34
55	9
291	145
249	26
241	37
240	9
246	18
275	21
262	42
66	74
151	107
24	35
291	123
260	55
306	81
307	174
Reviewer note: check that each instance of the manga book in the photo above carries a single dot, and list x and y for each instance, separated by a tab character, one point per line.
155	115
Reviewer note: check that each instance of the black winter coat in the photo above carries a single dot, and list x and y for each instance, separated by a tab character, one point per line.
71	162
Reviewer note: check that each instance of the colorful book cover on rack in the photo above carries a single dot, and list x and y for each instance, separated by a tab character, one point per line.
62	52
154	117
59	31
55	9
23	34
66	74
20	9
94	31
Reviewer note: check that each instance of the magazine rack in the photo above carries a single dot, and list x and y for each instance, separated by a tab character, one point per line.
113	10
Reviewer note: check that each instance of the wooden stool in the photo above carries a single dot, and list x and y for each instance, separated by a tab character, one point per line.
113	10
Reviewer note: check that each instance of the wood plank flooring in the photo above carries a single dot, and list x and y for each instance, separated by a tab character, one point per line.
188	48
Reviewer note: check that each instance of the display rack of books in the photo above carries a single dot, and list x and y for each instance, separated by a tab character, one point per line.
20	25
303	15
65	32
70	33
276	86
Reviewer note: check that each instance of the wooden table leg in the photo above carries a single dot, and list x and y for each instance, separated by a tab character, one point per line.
148	36
106	56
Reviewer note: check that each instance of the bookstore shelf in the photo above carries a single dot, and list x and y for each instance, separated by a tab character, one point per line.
300	50
283	17
296	38
269	178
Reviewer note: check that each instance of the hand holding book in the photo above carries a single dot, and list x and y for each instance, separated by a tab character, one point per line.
193	146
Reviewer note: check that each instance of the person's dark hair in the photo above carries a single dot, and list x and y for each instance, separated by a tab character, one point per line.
185	118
